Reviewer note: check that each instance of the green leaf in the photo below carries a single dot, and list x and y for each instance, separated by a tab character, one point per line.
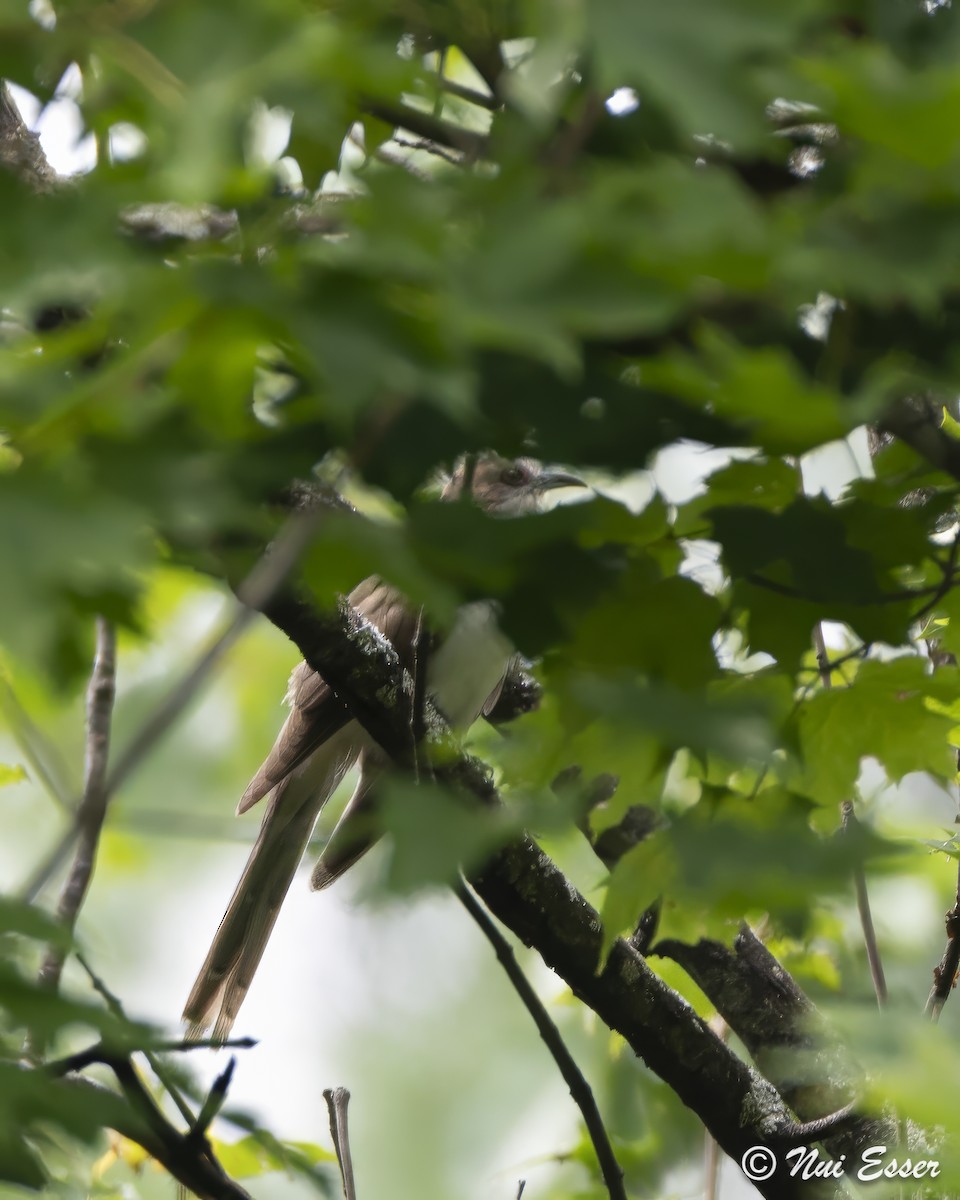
729	856
435	834
31	1102
737	728
28	1005
261	1151
761	390
766	483
661	628
888	103
16	916
893	711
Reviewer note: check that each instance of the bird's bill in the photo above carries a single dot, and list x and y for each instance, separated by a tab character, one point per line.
558	479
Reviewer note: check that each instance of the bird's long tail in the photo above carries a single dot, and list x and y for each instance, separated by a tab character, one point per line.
232	961
357	829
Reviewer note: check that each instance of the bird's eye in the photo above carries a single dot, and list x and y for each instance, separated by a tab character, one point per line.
513	476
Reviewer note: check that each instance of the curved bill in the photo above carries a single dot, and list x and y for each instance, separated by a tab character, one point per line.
549	480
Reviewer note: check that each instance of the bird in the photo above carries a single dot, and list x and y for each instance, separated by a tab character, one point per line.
319	743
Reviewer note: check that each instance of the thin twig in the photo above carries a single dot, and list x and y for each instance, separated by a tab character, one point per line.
422	645
824	669
256	591
949	570
159	1069
394	158
848	822
92	809
194	1167
823	661
188	1158
185	1045
573	1077
471	95
827	667
945	972
214	1101
935	591
711	1150
425	125
100	1053
711	1166
454	157
337	1100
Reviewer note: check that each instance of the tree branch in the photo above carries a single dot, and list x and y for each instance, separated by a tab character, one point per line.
945	972
425	125
187	1157
913	422
158	1068
144	1124
337	1100
92	809
526	891
849	823
100	1053
20	150
469	94
783	1033
573	1077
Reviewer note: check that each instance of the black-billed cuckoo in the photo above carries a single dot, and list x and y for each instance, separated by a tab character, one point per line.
315	749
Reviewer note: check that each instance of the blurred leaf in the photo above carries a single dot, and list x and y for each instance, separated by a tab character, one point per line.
728	856
261	1151
709	83
761	390
32	1102
32	922
28	1005
736	728
11	774
435	834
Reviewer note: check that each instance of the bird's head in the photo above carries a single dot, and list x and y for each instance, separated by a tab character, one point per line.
508	487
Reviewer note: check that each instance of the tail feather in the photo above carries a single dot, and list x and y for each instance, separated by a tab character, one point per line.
242	936
354	833
233	958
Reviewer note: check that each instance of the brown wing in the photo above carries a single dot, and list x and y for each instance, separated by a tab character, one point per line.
316	713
